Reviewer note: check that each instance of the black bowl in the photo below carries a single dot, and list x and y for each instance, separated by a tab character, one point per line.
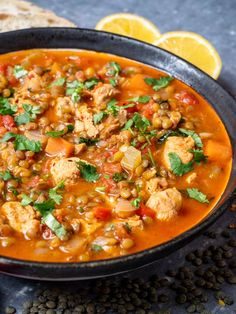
223	103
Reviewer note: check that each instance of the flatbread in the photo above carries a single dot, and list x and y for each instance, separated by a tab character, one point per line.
17	14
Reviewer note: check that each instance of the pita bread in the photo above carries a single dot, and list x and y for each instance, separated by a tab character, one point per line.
17	14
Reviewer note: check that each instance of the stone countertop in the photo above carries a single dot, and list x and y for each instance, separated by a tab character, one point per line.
214	19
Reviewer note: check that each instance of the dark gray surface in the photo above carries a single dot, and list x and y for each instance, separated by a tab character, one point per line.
213	19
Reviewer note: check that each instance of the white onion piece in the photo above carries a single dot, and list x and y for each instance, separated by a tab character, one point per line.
124	208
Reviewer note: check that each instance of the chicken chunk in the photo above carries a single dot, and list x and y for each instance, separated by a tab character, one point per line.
179	146
103	93
84	126
65	169
165	203
33	82
156	184
111	124
22	219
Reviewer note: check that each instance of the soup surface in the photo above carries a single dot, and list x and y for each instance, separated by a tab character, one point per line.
101	156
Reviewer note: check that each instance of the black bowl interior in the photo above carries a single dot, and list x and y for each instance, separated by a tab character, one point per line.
222	102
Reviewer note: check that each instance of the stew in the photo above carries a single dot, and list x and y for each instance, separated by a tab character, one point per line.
101	156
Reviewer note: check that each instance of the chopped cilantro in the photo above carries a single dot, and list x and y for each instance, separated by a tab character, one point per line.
22	142
74	90
113	82
98	117
136	202
70	127
55	133
112	107
118	176
197	195
142	99
30	114
6	108
177	167
127	227
90	83
198	155
6	175
26	200
53	193
88	141
96	247
59	82
114	68
160	83
151	157
194	136
88	171
19	71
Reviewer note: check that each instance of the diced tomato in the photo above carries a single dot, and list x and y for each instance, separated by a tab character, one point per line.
3	68
102	213
111	168
132	109
146	211
46	232
147	110
108	183
187	98
10	76
33	182
8	122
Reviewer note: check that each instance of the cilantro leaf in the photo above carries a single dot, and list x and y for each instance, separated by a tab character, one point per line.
23	143
88	171
30	114
151	157
26	200
98	117
160	83
5	176
54	225
177	167
194	136
113	82
128	124
142	99
119	176
6	108
53	193
96	247
55	133
59	82
114	68
136	202
8	136
198	155
112	107
88	141
197	195
140	122
70	127
19	71
74	89
45	209
90	83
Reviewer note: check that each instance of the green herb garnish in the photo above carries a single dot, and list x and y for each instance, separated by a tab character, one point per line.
96	248
88	141
19	71
55	133
177	167
74	89
6	108
142	99
113	82
6	175
88	171
22	142
114	69
98	117
136	202
90	83
160	83
194	136
59	82
26	200
197	195
198	155
30	114
54	195
118	176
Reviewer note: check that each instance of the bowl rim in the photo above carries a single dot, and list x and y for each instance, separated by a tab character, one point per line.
150	254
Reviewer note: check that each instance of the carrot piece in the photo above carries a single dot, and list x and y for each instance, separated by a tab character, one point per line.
217	151
137	82
59	147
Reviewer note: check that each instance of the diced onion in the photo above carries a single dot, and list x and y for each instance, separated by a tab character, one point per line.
132	159
124	209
